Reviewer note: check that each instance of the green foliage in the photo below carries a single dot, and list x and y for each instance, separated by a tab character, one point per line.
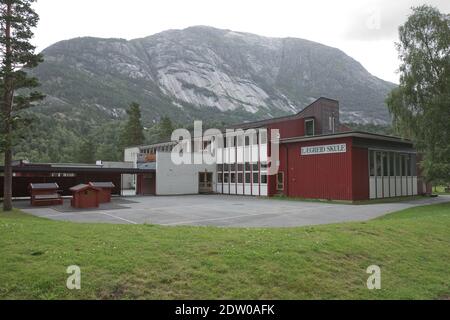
421	104
373	128
133	133
165	129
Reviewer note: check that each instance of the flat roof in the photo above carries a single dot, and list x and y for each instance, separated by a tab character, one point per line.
354	134
69	169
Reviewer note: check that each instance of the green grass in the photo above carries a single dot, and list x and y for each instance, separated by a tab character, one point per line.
155	262
440	190
357	202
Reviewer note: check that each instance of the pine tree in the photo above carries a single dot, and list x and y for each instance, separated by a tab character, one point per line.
165	129
17	18
86	151
421	104
133	133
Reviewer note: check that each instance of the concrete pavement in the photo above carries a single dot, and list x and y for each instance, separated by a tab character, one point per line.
223	210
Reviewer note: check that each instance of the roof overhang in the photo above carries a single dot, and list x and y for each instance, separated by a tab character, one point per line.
49	169
349	134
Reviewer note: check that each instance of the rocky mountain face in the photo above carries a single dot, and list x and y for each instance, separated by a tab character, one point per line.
204	73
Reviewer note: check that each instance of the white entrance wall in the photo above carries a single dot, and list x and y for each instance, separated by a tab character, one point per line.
174	179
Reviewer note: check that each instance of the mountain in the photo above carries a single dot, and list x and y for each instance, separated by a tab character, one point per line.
204	73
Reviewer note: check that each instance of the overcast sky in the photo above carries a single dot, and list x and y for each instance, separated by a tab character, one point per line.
364	29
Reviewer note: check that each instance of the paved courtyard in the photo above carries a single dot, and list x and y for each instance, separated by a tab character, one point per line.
221	210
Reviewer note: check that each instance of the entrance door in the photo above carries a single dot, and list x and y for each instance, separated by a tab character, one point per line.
205	182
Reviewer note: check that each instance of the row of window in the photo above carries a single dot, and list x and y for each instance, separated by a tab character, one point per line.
240	177
391	164
242	167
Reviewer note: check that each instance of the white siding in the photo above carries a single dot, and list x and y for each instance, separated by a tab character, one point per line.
174	179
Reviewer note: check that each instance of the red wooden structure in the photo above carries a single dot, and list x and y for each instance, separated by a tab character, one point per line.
105	190
44	194
85	196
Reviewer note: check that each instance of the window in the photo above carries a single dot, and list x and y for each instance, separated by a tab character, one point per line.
309	127
233	167
225	167
220	167
240	176
413	165
247	166
264	179
247	140
220	177
331	122
247	177
378	164
255	178
233	177
385	164
255	166
392	164
398	166
408	165
240	167
226	177
402	165
371	163
280	181
263	166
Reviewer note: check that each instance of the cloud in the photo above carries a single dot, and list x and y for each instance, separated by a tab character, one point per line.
380	19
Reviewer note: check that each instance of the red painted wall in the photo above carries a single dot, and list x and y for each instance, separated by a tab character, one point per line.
360	173
337	176
289	128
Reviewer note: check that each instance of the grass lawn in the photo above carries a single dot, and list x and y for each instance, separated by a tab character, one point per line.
412	247
439	190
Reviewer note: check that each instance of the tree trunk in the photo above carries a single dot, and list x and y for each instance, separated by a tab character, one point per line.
7	105
7	189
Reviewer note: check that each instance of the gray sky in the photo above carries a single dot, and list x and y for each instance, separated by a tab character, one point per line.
364	29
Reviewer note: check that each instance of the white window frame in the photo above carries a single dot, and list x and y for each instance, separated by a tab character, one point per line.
313	127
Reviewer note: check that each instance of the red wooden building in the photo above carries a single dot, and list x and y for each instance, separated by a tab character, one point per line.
319	158
105	190
85	196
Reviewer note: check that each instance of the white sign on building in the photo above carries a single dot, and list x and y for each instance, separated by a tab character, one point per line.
330	148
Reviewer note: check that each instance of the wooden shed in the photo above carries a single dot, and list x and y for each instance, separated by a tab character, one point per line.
105	190
85	196
44	194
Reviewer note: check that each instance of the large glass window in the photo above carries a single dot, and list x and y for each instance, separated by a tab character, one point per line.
309	127
408	165
233	167
398	165
233	177
378	163
247	166
264	179
240	177
225	167
226	177
240	167
392	164
385	164
413	165
255	178
402	165
247	177
220	167
255	166
371	163
220	177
